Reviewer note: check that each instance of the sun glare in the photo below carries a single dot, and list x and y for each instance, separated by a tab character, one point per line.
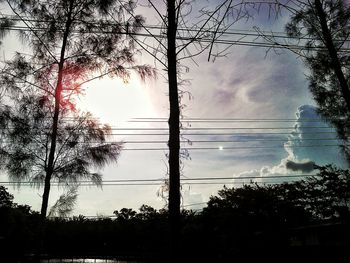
112	100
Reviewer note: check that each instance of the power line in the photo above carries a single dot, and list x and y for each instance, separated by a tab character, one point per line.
206	40
253	33
221	148
198	128
226	32
228	121
224	148
204	141
214	120
220	133
220	128
281	34
159	184
182	179
219	119
185	181
222	141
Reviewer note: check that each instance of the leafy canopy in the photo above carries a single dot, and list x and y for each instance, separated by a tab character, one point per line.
324	83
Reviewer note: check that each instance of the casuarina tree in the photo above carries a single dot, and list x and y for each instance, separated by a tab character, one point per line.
318	33
327	26
71	42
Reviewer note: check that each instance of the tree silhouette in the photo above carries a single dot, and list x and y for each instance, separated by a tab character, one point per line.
72	42
328	195
322	29
327	24
125	214
6	199
235	222
323	196
81	144
181	41
65	204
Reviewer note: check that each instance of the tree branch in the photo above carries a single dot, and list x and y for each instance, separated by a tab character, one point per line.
33	31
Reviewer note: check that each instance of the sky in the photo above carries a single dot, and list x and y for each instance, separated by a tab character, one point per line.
248	84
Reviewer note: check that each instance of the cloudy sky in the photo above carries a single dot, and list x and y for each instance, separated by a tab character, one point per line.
260	99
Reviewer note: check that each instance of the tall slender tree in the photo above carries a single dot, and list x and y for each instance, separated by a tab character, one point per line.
181	41
72	42
327	25
174	132
321	29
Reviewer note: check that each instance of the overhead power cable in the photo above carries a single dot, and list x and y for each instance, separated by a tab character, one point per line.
238	32
221	148
184	183
227	133
203	40
201	141
200	128
215	119
215	141
182	179
219	128
227	121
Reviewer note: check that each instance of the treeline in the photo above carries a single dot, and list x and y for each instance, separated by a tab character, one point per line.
303	218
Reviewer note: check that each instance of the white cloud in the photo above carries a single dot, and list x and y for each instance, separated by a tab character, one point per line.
311	130
311	142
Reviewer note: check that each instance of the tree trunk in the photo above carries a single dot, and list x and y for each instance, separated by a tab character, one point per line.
174	135
333	53
58	97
